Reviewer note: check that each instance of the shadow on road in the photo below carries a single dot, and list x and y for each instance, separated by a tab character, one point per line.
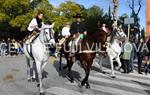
144	85
64	73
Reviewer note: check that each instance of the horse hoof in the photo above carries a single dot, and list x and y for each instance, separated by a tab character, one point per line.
72	80
33	79
82	83
103	72
42	93
38	85
113	77
29	80
64	68
87	86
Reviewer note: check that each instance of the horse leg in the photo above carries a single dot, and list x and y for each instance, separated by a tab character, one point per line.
68	62
34	71
38	67
43	66
85	80
112	68
119	63
60	61
68	59
100	64
65	67
44	73
28	70
69	71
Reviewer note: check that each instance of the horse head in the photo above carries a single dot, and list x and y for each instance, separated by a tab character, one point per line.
47	35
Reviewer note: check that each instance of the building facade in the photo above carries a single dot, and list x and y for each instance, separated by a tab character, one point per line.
147	18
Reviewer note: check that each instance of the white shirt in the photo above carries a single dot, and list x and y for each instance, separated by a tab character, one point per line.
104	29
34	23
66	31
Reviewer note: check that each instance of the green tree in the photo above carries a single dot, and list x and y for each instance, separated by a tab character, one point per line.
93	16
69	9
16	14
121	22
65	13
9	10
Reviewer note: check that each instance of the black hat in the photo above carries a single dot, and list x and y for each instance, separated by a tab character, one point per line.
77	16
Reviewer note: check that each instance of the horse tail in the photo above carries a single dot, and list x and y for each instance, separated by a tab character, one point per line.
28	62
26	50
60	59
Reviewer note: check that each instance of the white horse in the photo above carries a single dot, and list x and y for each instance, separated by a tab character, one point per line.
38	53
113	50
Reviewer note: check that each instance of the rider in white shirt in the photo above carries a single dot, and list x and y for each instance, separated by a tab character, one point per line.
66	30
65	33
104	27
36	25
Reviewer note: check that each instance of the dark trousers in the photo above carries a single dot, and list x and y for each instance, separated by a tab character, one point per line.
140	58
125	65
147	69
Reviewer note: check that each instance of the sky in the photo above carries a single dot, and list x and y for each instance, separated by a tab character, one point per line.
122	8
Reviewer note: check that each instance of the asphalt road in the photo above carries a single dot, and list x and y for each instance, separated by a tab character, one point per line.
13	80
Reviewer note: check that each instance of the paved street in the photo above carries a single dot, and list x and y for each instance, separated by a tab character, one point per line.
13	80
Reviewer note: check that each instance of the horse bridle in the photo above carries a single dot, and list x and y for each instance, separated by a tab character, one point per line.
50	34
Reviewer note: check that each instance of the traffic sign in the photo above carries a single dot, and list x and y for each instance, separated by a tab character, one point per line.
129	21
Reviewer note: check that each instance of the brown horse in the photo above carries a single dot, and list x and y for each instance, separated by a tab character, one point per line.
86	58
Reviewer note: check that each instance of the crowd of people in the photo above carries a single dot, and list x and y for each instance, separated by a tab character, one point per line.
10	47
131	52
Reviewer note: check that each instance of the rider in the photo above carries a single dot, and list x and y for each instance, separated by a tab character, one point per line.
65	33
77	31
36	25
104	27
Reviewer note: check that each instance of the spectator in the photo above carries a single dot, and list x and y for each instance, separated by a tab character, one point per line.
16	45
12	48
127	48
8	46
147	66
20	44
131	62
3	48
140	55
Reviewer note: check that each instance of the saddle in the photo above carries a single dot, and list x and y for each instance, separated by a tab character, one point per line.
74	43
29	39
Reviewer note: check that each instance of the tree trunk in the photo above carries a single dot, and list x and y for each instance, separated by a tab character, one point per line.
115	2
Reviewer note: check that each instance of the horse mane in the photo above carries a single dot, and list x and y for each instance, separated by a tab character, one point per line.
41	36
99	35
